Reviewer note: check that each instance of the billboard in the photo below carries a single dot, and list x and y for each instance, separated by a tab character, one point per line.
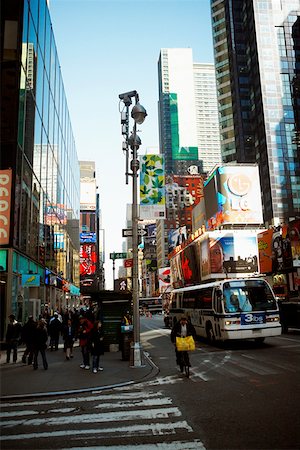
5	199
294	235
176	237
31	280
152	188
176	271
233	252
88	259
238	196
88	194
264	240
164	279
86	237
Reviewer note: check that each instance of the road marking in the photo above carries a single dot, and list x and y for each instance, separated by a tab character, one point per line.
175	445
165	413
152	429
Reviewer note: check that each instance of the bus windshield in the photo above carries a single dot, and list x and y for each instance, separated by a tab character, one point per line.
245	296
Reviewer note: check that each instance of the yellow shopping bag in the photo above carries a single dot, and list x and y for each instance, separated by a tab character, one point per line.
184	344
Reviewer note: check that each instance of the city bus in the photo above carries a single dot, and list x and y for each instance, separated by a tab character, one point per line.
152	305
240	308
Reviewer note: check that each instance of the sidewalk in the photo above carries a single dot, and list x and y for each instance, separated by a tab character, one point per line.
18	380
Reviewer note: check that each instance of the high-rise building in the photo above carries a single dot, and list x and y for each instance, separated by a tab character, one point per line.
91	231
207	116
188	113
257	48
39	233
177	110
188	131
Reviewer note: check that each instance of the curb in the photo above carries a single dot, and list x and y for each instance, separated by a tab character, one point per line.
154	371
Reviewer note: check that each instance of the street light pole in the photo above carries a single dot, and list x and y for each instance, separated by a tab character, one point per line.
138	114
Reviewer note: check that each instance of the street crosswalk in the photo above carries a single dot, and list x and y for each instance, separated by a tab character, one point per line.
103	420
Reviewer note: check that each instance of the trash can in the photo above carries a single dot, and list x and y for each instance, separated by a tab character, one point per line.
126	340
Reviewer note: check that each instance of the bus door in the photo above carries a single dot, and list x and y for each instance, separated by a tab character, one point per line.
218	311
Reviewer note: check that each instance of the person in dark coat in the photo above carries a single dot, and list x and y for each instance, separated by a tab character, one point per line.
182	328
55	327
97	348
28	333
13	336
68	333
84	335
40	343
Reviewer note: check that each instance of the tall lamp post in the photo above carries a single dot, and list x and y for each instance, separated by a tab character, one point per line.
138	113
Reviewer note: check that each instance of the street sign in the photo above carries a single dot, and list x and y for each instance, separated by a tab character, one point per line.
141	232
128	262
117	255
127	232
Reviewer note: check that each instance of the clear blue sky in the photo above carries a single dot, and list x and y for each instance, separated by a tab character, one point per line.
107	47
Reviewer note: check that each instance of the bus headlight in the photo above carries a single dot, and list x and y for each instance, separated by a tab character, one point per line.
272	319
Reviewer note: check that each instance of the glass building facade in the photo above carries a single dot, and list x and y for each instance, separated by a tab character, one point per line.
38	147
257	50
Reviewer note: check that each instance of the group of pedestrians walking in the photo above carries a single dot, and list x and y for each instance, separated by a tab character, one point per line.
35	336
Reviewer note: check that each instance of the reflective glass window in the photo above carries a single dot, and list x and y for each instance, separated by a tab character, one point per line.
39	82
46	104
21	118
25	22
34	10
32	38
47	42
41	32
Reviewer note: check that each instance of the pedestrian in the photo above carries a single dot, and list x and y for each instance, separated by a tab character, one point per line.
97	348
28	334
55	328
13	336
182	328
68	333
40	343
84	332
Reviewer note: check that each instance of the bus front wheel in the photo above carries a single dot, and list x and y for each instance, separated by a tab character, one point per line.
210	333
259	340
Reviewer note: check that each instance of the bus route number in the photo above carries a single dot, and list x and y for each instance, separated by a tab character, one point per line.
248	319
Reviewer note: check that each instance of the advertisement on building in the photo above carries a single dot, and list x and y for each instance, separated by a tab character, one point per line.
216	254
176	237
294	234
5	199
190	265
164	279
238	196
88	194
233	252
88	260
176	271
152	188
88	237
264	240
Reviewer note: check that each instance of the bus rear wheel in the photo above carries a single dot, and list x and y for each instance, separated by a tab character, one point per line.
210	333
259	340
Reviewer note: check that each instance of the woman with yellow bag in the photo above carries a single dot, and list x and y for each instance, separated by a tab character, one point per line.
182	335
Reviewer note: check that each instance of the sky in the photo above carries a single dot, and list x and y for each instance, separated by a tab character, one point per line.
108	47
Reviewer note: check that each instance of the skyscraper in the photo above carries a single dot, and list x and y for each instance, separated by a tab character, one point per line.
207	116
188	128
177	110
257	47
39	254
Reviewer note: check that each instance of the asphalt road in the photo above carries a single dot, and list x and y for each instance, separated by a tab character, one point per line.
241	396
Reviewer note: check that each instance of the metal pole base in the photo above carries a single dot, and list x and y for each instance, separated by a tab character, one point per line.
136	355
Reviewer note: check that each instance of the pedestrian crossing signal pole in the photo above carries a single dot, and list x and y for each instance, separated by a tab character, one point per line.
133	141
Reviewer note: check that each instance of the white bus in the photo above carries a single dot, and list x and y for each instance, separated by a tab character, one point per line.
244	308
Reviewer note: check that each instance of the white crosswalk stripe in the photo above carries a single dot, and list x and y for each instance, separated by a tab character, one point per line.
110	417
